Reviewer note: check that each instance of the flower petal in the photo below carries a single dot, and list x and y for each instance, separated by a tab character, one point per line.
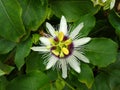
51	62
81	57
64	68
51	29
81	41
63	25
76	30
112	4
103	1
74	63
45	41
43	49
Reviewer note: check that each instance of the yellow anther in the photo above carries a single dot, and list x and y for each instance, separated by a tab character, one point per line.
65	51
55	52
61	54
68	42
60	36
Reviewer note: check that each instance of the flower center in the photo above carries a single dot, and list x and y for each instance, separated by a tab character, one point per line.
61	45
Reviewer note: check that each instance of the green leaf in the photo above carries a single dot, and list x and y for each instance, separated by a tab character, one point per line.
11	26
2	73
73	9
101	51
59	84
114	80
3	83
115	22
23	50
35	62
52	74
115	65
110	80
34	13
35	38
5	69
31	81
88	26
6	46
86	76
101	29
101	83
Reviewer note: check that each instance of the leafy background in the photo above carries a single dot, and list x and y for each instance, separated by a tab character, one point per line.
22	22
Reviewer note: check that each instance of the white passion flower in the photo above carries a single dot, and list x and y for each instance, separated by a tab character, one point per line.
63	47
112	4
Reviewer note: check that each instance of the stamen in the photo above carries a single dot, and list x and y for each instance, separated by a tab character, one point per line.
60	36
61	46
65	51
68	42
55	52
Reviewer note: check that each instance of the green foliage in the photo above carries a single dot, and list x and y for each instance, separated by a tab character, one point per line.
11	25
115	21
34	13
4	48
73	9
88	26
30	81
3	83
37	64
86	72
22	51
100	54
5	69
22	23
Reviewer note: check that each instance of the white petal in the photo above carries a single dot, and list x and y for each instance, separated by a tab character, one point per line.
112	4
81	57
51	62
63	25
64	68
45	41
43	49
51	29
74	64
103	1
81	41
76	30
